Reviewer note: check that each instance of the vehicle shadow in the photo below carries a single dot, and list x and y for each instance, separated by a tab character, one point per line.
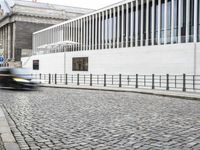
20	89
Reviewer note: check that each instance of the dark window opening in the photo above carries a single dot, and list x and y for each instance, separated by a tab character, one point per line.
35	64
80	64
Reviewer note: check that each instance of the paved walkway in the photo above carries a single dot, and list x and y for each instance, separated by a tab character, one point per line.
175	94
54	118
7	141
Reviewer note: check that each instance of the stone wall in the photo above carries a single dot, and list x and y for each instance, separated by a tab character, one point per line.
24	32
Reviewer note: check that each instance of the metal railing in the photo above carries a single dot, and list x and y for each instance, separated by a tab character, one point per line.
164	82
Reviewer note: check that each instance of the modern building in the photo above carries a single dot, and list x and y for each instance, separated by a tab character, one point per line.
133	36
19	19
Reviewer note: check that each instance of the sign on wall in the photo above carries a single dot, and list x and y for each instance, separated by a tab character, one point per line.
1	59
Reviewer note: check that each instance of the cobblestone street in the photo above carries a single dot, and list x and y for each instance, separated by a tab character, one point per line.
83	119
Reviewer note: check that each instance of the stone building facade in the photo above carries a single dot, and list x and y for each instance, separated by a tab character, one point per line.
21	18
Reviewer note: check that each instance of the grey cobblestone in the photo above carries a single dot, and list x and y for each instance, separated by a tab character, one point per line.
83	119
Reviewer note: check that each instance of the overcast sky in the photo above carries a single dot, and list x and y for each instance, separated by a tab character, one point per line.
93	4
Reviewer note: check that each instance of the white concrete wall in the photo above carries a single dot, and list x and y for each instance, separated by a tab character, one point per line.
172	59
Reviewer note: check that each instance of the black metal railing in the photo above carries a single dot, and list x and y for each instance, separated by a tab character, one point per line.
165	82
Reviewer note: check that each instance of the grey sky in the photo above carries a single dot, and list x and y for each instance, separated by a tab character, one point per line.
94	4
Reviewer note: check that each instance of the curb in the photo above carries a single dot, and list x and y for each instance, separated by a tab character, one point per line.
187	95
8	139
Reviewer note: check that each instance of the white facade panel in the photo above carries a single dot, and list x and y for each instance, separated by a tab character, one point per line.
165	59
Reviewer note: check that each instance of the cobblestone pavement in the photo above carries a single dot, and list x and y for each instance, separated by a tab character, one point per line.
83	119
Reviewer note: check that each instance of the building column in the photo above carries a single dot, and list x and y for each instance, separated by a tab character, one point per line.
187	20
9	41
118	26
131	28
99	43
84	33
142	25
122	27
93	47
165	26
75	32
106	30
110	28
81	38
96	31
147	23
76	35
153	22
195	19
3	41
159	21
179	20
172	22
13	44
114	28
86	38
103	30
127	25
71	34
136	25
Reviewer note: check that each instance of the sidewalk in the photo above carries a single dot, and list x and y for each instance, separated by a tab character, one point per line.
175	94
7	140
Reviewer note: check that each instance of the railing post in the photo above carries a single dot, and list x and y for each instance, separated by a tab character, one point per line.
167	82
136	81
90	79
66	79
49	78
55	78
184	87
120	80
104	79
153	77
78	79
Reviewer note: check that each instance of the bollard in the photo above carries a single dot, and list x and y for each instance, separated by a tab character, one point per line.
49	78
66	79
90	79
78	79
153	86
55	78
104	79
184	82
120	80
167	82
136	81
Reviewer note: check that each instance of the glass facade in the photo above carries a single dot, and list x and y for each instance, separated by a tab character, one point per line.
129	24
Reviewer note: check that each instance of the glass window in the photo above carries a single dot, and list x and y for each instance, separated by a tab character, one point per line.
129	25
169	21
144	24
156	23
35	64
191	23
175	38
150	23
162	21
80	64
134	18
183	25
